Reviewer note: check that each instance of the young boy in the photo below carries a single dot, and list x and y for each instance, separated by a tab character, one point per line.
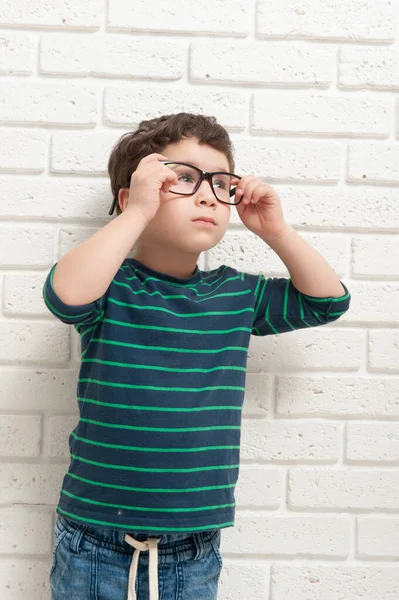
155	455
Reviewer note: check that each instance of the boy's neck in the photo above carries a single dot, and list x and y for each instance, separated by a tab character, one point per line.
175	264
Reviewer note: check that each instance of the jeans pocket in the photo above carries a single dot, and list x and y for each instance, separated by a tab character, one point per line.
215	543
60	531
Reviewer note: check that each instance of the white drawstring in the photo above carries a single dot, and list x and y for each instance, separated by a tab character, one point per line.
152	545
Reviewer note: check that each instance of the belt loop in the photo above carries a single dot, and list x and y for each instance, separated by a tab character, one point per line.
199	543
77	538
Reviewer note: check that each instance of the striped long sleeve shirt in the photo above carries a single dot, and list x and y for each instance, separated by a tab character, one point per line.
160	392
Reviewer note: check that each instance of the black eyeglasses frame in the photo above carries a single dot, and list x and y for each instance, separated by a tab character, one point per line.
203	175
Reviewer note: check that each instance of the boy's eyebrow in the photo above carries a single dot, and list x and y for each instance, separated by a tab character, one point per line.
192	162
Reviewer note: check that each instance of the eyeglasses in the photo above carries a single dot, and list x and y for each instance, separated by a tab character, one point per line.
190	178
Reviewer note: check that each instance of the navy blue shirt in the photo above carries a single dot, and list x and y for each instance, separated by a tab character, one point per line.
161	388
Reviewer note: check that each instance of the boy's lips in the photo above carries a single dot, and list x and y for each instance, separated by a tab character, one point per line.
205	220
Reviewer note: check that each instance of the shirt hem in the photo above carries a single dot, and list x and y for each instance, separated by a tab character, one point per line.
225	519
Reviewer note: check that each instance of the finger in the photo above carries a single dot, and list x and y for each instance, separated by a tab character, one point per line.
249	190
258	193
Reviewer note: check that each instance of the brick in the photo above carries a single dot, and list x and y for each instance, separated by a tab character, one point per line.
375	256
372	442
340	20
364	66
283	535
61	14
344	489
49	104
243	579
23	294
251	62
17	53
129	106
342	396
112	55
315	349
259	487
373	162
383	351
335	207
72	199
373	303
26	245
258	395
33	343
293	160
25	530
49	389
213	16
320	114
59	430
378	537
313	582
81	153
30	483
285	441
20	435
22	150
249	253
24	579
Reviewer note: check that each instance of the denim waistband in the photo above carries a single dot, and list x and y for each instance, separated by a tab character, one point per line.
117	537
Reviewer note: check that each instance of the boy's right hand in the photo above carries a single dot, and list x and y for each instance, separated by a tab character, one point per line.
146	183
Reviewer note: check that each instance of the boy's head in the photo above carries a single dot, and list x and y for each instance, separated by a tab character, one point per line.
185	137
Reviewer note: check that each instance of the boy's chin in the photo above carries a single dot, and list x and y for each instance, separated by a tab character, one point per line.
200	247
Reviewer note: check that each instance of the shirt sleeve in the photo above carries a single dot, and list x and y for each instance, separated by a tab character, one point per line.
84	314
280	307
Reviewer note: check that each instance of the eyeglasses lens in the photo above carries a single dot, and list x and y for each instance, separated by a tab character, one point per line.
188	179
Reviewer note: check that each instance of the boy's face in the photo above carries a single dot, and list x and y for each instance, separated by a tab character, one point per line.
173	225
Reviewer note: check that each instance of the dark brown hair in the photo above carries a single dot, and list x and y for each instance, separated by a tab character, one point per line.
154	135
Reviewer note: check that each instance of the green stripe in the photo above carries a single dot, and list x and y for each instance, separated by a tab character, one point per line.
337	314
161	429
153	490
268	321
156	408
265	282
146	508
184	285
175	329
166	349
329	299
131	386
302	310
260	277
165	369
168	297
131	526
162	450
184	315
286	298
148	470
51	307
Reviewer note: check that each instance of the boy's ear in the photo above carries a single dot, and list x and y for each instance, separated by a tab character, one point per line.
123	197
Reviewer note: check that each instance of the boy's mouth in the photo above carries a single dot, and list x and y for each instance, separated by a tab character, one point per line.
206	221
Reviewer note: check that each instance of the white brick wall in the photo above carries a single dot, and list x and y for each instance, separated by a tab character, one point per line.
309	93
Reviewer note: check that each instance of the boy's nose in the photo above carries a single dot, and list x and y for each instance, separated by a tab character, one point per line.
205	193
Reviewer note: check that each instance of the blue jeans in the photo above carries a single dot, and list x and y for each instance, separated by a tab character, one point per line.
93	563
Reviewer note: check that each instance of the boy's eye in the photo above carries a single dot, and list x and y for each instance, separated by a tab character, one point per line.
221	183
187	175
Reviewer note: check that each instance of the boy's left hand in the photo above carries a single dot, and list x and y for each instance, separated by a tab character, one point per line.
260	208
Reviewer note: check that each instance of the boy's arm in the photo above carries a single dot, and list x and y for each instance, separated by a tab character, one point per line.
84	274
310	273
76	287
